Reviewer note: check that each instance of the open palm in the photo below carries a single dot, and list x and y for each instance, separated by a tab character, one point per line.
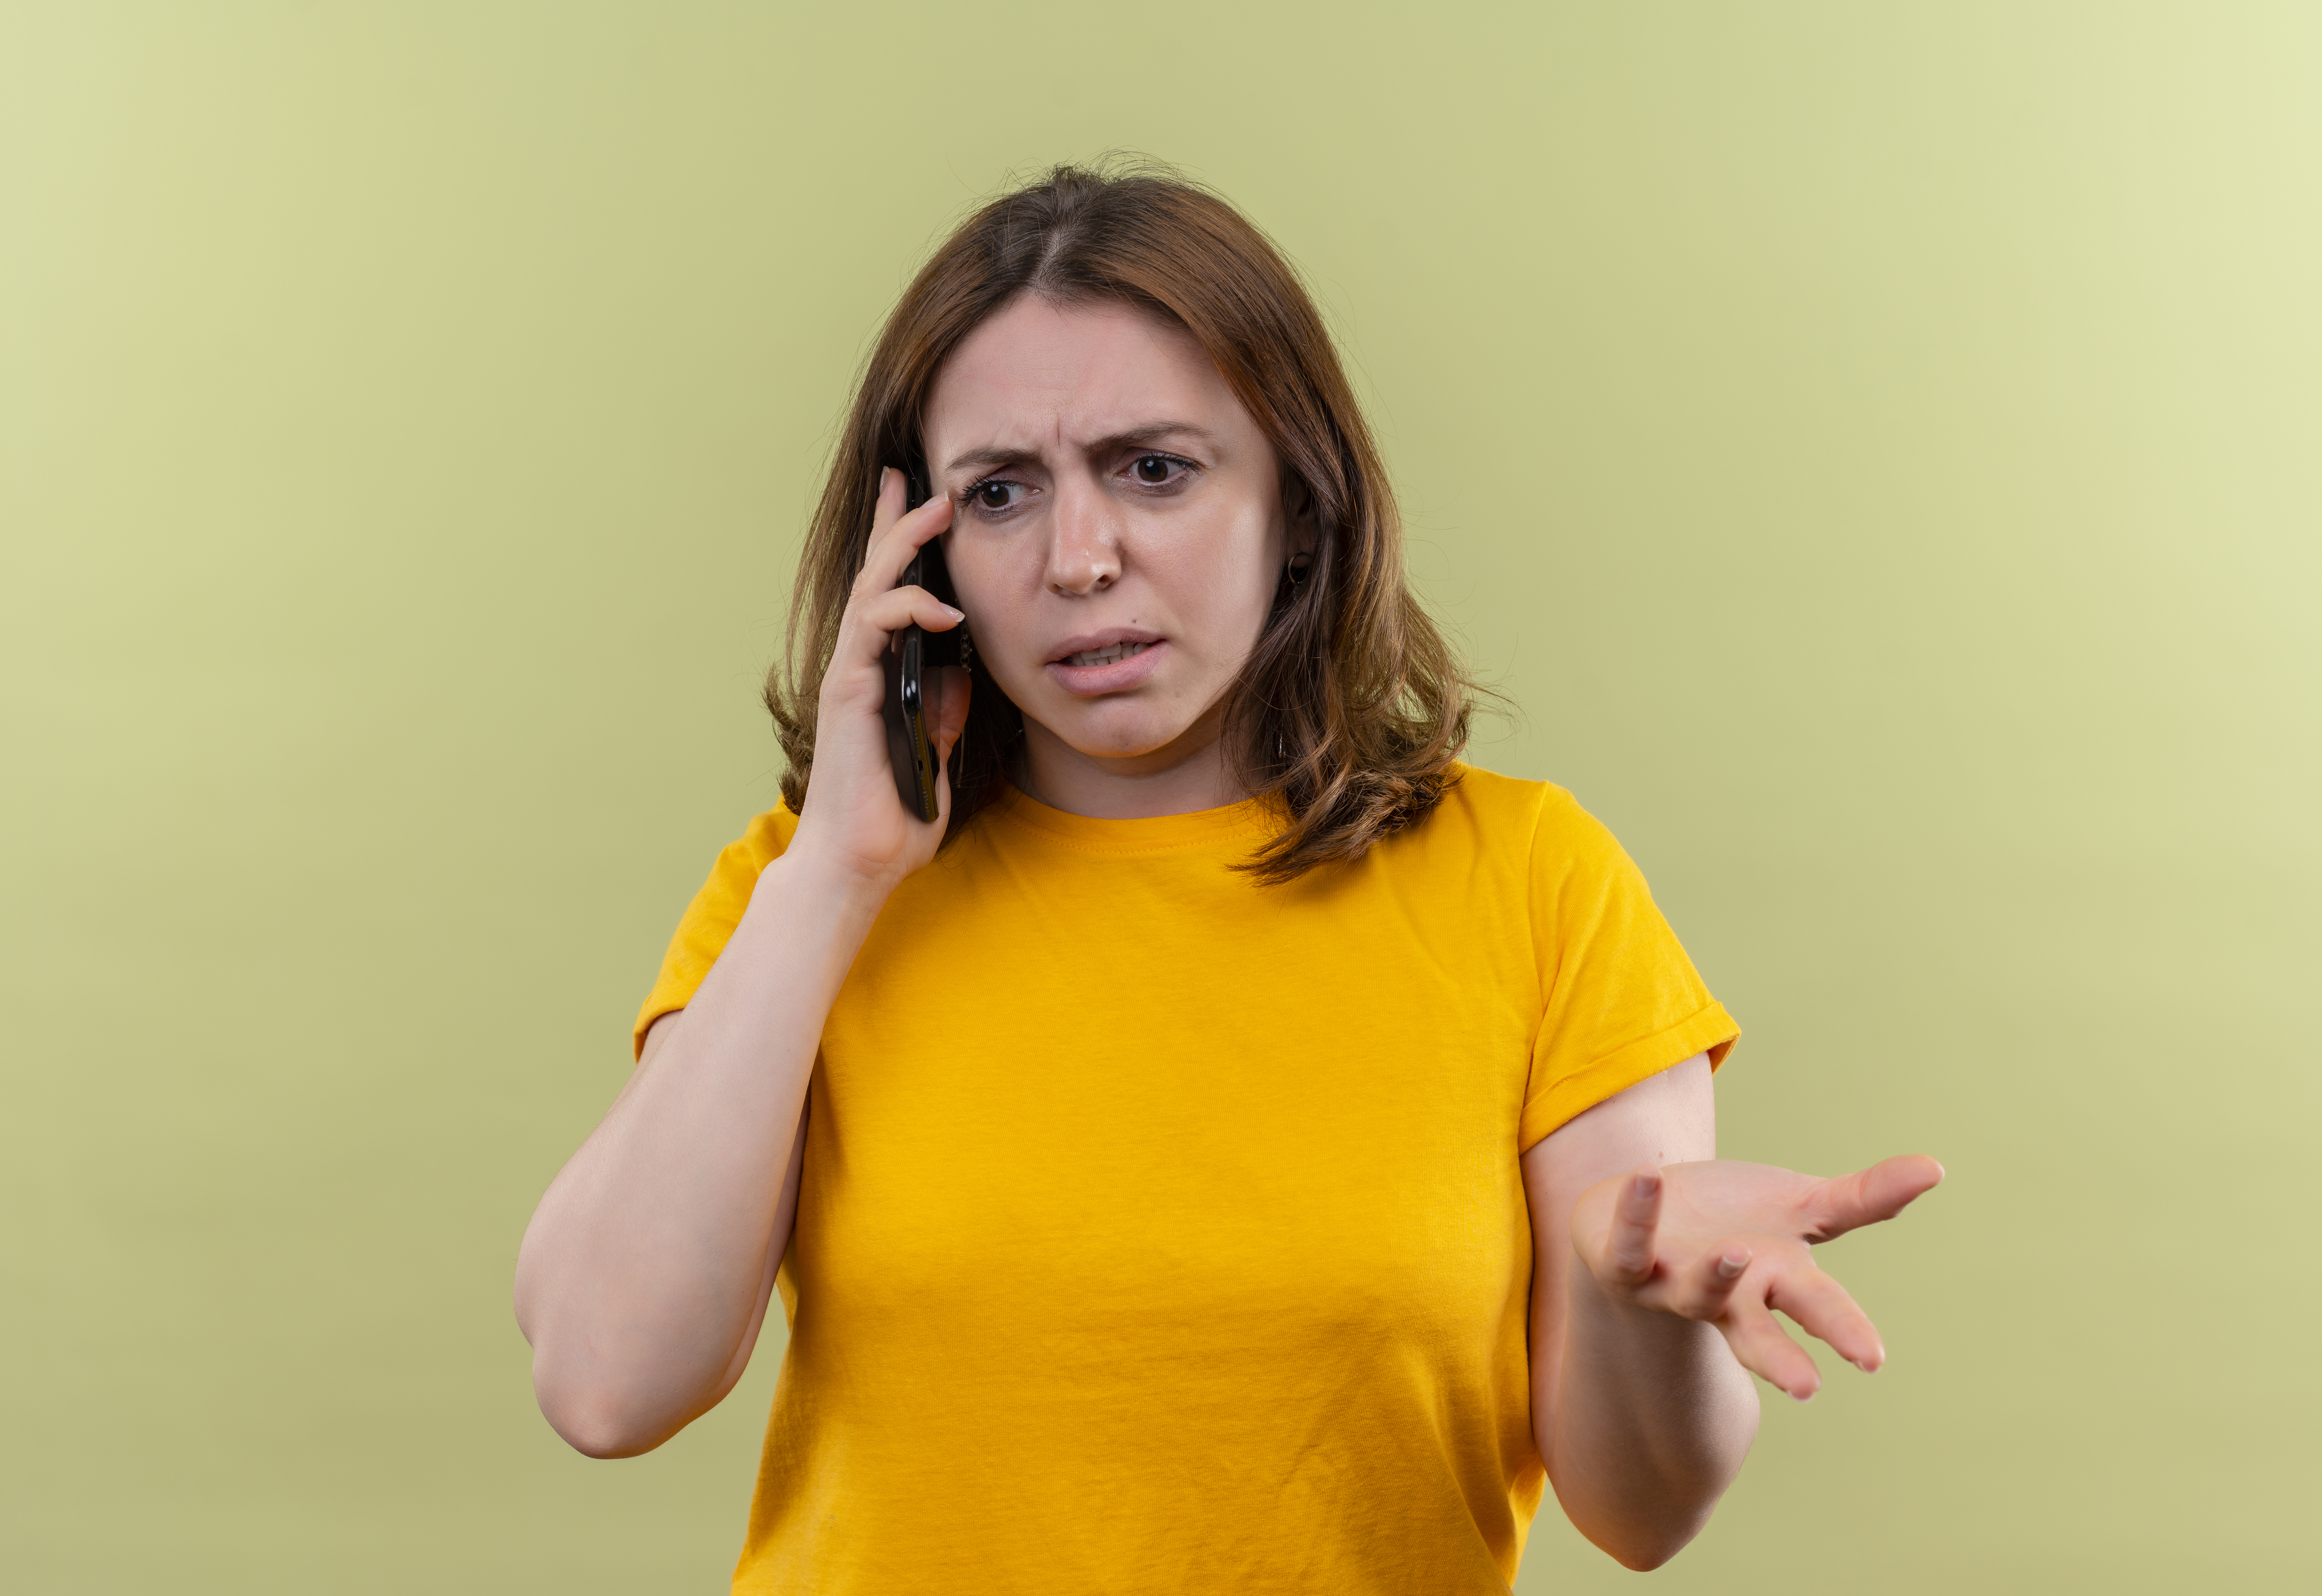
1731	1243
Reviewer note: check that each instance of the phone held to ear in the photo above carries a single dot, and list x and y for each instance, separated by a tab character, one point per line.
911	655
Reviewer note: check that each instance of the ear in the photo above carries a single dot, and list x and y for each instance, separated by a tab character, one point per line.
954	686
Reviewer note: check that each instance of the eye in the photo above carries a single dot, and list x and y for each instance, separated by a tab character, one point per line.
993	495
1159	470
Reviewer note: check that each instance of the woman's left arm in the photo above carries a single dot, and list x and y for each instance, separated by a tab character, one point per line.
1657	1268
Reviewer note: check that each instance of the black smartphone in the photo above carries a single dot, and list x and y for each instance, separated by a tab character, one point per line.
911	654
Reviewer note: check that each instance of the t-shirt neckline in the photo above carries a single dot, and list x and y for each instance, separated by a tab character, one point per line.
1246	820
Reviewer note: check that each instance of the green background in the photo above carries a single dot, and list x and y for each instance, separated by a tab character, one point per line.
1875	445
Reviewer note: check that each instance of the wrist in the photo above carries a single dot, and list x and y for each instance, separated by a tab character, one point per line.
1610	1312
811	887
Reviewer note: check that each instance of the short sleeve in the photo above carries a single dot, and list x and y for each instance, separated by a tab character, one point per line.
1622	1000
710	918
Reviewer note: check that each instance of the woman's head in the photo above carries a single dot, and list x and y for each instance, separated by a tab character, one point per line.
1120	531
1149	439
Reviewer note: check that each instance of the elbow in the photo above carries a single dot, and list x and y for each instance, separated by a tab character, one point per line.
597	1421
1639	1539
1645	1557
1641	1549
600	1429
618	1406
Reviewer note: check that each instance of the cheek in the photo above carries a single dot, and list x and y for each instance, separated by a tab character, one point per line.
997	588
1221	582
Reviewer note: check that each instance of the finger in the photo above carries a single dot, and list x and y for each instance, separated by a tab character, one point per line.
1867	1196
1762	1346
1822	1308
878	615
1706	1284
1636	1216
887	507
896	537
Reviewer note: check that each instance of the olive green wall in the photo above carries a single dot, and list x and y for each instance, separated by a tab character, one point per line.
1876	446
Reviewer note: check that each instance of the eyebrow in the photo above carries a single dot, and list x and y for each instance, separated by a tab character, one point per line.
1156	433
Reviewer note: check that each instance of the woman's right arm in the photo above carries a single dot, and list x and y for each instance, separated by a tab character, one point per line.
645	1274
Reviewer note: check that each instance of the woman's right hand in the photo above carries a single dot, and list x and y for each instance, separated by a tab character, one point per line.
854	821
646	1273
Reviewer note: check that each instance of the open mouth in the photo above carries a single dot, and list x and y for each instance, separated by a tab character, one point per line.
1110	653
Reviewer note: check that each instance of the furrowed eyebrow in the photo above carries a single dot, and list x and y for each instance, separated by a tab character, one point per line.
978	459
1159	432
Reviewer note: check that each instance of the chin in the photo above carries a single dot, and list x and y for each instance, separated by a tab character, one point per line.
1105	732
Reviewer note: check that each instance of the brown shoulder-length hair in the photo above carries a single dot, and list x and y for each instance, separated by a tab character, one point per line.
1352	708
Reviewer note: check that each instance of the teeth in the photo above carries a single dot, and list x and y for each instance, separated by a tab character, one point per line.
1107	655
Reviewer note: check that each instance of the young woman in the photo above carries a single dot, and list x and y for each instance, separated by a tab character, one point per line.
1237	1147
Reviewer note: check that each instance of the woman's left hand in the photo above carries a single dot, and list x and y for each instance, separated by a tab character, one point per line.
1729	1244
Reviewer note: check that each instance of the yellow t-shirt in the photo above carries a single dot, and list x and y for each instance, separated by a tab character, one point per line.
1160	1231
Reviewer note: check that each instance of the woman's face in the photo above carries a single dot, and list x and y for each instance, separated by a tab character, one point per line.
1118	530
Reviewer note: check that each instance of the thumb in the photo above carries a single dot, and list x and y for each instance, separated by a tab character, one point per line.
1868	1195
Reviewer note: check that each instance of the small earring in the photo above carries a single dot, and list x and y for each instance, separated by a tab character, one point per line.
1300	564
966	649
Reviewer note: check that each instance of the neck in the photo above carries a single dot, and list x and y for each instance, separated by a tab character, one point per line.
1182	777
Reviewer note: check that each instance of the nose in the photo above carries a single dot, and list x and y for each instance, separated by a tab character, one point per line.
1084	540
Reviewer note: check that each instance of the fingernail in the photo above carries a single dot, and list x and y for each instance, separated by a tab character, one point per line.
1647	1184
1802	1396
1729	1267
956	614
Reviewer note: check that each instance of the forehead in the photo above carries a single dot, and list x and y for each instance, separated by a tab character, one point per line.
1039	372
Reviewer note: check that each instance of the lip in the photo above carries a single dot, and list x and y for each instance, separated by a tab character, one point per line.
1089	681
